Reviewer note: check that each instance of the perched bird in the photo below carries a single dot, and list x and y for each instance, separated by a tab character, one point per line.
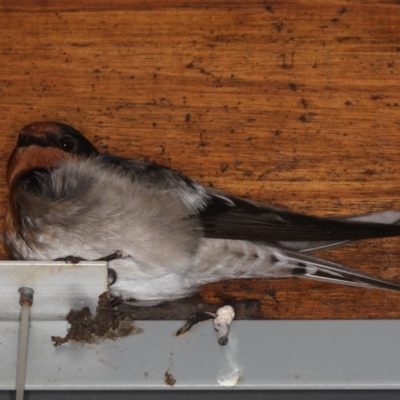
164	234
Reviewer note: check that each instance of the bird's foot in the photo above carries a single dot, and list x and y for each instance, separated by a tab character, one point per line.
222	321
111	274
193	320
117	255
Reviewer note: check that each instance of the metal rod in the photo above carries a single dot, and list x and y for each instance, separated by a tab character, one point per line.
26	300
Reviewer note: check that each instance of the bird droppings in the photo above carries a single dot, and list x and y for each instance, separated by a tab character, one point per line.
230	373
169	379
108	323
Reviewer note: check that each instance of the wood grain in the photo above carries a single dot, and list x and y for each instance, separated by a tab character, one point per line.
295	103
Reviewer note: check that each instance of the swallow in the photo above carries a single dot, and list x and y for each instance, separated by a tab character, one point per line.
163	234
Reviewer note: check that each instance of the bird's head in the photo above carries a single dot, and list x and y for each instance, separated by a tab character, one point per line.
44	145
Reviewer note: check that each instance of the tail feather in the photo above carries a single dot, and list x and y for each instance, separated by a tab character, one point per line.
308	267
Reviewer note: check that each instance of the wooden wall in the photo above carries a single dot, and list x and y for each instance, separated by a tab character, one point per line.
295	103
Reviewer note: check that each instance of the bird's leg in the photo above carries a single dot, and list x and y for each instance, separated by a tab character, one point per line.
222	321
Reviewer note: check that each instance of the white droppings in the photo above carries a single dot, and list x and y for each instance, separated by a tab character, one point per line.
229	375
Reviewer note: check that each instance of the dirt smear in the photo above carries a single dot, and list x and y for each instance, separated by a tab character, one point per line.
108	323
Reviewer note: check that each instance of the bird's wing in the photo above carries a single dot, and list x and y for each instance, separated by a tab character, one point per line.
225	216
230	217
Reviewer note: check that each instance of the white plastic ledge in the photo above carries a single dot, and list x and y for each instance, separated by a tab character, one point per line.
262	354
57	286
259	355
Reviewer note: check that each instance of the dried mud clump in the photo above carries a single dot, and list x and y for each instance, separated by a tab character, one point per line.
108	323
169	379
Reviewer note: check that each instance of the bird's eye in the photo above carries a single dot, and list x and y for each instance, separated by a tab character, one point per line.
67	143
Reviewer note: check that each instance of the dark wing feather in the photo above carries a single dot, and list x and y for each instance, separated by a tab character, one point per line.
230	217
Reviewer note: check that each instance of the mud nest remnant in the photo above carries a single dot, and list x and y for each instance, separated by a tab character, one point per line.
108	323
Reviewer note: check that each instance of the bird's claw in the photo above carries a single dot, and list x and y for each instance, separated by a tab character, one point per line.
117	255
111	276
